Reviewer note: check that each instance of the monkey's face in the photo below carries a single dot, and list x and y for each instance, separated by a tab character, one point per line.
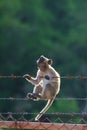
43	66
43	63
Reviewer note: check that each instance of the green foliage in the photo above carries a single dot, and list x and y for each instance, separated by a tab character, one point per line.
65	106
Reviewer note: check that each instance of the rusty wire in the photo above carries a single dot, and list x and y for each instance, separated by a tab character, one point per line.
63	77
12	76
49	121
60	99
10	120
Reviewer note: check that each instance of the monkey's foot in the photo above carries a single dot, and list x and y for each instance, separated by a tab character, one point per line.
32	96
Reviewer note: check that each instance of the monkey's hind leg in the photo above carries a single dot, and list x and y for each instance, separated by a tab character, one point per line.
48	94
36	93
33	96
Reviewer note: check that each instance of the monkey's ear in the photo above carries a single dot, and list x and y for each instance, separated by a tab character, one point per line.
50	61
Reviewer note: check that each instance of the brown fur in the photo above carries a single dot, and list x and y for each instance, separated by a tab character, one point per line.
45	88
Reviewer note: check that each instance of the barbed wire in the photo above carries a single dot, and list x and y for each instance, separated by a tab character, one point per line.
63	77
57	114
54	121
27	123
60	99
12	76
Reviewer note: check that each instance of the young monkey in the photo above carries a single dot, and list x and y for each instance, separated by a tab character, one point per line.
47	83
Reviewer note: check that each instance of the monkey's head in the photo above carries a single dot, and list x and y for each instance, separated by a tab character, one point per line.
43	63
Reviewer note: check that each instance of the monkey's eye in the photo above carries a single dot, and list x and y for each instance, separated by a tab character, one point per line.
47	77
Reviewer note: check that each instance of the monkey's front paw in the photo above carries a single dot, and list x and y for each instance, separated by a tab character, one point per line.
47	77
27	76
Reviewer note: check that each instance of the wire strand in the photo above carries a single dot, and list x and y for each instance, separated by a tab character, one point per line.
73	114
12	76
60	99
63	77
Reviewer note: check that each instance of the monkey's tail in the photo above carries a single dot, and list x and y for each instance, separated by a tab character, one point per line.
49	103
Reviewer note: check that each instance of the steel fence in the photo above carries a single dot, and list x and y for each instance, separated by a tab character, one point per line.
49	121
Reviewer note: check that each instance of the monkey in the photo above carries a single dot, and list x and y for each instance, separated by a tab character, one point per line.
46	83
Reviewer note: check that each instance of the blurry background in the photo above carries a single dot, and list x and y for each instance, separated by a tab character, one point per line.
54	28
